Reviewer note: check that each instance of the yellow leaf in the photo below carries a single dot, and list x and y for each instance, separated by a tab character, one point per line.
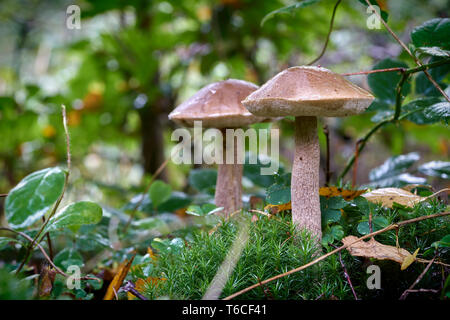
275	208
409	260
336	192
117	281
387	197
151	254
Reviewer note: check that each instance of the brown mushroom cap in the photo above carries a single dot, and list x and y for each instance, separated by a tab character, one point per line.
217	105
308	91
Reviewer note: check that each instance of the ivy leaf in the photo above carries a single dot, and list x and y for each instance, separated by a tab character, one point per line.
436	169
392	172
288	9
432	33
383	84
76	214
27	202
159	192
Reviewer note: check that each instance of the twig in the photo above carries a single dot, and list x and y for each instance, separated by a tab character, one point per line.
347	276
417	60
405	74
2	195
130	287
323	257
45	253
326	132
373	71
55	207
405	294
49	242
328	35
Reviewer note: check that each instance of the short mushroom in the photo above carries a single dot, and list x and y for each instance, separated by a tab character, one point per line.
219	106
307	93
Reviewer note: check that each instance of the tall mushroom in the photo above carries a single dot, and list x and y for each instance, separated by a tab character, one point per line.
218	105
307	93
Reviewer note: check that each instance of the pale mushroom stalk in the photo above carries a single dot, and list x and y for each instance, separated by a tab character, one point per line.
229	181
305	176
307	93
219	106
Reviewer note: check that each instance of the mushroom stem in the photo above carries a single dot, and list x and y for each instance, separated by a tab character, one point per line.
229	182
305	177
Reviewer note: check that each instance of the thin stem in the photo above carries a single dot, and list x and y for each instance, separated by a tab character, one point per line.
405	294
326	132
347	276
417	60
323	257
328	35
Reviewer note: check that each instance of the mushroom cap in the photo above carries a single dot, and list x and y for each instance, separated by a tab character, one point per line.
308	91
217	105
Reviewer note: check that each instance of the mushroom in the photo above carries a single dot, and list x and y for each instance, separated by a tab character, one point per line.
307	93
219	106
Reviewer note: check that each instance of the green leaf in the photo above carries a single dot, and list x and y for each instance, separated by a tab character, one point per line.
177	200
331	209
168	246
419	107
436	168
433	33
288	9
205	210
423	84
27	202
433	51
392	172
149	223
438	111
383	84
278	194
331	234
378	223
76	214
204	180
68	257
445	242
159	192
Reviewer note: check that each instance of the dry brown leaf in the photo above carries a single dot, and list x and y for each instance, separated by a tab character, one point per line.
376	250
387	197
336	192
117	281
46	281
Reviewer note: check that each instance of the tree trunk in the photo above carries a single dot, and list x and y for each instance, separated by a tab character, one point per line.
229	183
305	177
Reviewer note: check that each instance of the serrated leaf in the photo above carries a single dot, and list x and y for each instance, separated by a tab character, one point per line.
383	84
159	192
436	168
27	202
391	172
76	214
419	106
432	33
288	9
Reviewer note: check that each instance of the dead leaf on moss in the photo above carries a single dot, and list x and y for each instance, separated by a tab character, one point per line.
339	192
379	251
275	208
47	278
117	281
387	197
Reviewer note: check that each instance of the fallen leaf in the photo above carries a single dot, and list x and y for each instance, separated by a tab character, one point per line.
387	197
46	284
409	260
151	254
275	208
117	281
376	250
336	192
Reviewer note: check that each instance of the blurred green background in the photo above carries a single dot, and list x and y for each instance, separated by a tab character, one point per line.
133	61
